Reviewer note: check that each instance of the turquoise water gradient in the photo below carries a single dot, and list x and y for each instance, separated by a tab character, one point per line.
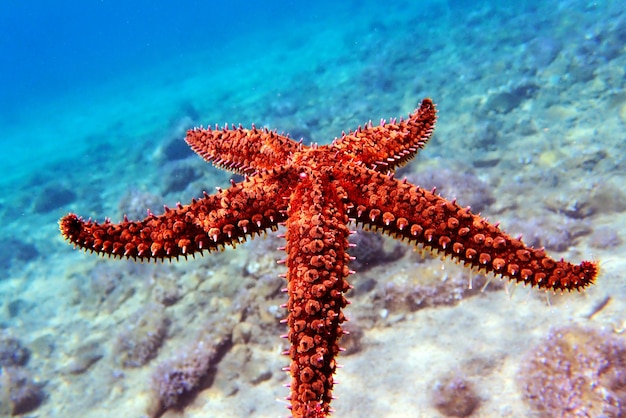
71	70
95	99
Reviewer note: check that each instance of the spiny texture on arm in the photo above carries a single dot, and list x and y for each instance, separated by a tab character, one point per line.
209	223
407	212
317	262
241	150
391	144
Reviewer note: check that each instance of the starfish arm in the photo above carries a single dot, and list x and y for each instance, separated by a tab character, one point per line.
317	242
409	212
391	144
244	151
210	223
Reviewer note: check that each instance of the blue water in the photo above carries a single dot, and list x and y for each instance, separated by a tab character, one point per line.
50	49
72	70
95	97
73	51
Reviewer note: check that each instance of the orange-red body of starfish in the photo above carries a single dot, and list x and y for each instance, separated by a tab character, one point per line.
315	192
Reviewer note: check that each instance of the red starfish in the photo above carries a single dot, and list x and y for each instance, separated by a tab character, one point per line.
315	192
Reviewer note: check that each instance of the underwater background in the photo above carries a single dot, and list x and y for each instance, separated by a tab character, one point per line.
95	99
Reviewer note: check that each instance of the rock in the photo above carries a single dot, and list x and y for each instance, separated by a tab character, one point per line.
176	149
455	396
53	197
84	357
